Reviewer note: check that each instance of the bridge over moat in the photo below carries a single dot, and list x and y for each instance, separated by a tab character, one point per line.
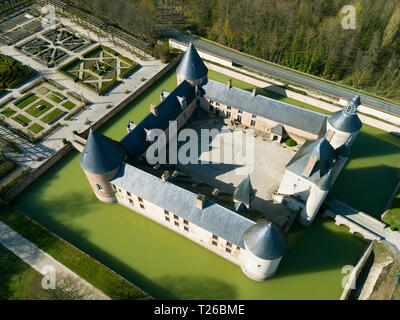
360	222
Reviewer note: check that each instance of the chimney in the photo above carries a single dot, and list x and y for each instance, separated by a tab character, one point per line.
229	84
200	200
254	91
310	166
153	110
165	176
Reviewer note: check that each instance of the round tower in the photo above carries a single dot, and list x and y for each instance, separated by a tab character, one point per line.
265	245
100	160
192	68
345	125
318	193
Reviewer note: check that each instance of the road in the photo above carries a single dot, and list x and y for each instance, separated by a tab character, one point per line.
283	74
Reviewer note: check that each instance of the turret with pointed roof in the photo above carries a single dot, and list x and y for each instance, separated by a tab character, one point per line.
101	154
265	245
192	68
100	160
244	195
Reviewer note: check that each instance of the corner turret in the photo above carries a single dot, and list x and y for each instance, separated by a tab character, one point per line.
344	125
265	245
100	160
192	68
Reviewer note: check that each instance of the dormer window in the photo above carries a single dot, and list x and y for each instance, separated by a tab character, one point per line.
182	102
99	187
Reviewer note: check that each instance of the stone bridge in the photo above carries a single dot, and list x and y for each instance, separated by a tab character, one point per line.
360	222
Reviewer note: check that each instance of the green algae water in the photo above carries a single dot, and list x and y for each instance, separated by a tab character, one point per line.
169	266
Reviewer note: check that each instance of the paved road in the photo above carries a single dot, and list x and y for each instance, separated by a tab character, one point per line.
280	73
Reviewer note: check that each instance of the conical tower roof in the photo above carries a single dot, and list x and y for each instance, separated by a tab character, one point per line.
347	120
244	192
192	66
265	240
101	154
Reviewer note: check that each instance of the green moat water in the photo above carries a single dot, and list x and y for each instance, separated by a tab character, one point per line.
169	266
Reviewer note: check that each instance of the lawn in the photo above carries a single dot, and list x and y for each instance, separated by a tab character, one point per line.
8	112
22	104
68	105
85	266
18	281
35	128
33	111
52	116
54	98
43	90
22	120
392	216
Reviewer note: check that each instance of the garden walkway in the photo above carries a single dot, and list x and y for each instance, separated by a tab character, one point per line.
38	259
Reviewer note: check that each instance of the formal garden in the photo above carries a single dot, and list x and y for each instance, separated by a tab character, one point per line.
12	73
100	69
37	112
54	46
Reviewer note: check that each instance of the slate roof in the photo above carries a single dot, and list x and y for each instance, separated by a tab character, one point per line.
266	240
325	154
192	66
101	154
169	109
265	107
244	192
213	218
347	120
278	129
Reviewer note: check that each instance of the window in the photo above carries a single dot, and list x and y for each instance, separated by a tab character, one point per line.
238	247
166	212
140	199
228	108
177	223
211	108
211	101
215	237
254	116
252	123
228	250
228	114
129	194
186	222
119	190
186	228
166	218
215	243
142	206
114	187
228	244
131	202
240	111
99	187
217	104
176	217
239	118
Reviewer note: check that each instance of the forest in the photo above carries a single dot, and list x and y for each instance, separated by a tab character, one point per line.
301	34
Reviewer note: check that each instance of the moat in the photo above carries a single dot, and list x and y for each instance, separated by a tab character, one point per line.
168	266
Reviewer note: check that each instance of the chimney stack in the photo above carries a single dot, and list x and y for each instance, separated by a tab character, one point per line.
200	200
310	166
229	84
153	110
329	135
165	176
254	91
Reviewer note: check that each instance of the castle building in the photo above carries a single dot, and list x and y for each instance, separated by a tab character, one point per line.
255	246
